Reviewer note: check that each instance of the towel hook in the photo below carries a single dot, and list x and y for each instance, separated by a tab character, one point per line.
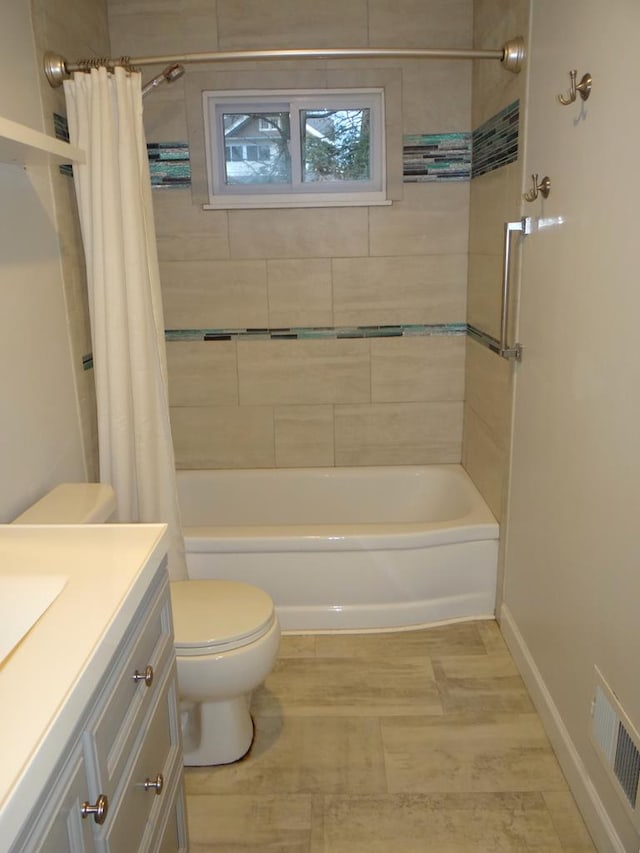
583	87
544	188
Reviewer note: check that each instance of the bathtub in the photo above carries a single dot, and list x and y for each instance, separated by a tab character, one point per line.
346	548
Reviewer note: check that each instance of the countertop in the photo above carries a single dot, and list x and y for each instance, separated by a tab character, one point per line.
47	680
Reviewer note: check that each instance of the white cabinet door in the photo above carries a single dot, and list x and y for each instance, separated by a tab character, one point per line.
68	831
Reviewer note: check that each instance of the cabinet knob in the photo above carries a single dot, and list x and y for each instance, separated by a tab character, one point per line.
154	784
146	676
99	810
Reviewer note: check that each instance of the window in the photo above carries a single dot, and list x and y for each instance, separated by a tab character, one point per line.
302	149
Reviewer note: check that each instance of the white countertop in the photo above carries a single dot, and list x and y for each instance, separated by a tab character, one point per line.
48	678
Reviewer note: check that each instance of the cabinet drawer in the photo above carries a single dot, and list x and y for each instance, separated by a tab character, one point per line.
136	807
111	733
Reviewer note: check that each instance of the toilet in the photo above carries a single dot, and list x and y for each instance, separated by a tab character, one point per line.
226	637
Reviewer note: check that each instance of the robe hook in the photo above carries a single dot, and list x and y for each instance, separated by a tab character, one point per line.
583	88
543	188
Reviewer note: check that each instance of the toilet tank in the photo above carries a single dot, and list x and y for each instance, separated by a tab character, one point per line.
72	503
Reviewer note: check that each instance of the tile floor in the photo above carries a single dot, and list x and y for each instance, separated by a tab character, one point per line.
390	743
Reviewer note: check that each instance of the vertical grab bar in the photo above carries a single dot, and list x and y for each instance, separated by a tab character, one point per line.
524	227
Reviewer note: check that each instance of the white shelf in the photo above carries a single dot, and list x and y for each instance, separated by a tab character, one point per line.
24	145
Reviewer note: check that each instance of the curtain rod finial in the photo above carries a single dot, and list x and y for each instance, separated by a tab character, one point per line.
514	54
55	68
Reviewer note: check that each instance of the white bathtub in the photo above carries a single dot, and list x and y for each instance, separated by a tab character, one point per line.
346	548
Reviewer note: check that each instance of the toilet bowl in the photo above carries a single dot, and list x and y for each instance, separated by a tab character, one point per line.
226	637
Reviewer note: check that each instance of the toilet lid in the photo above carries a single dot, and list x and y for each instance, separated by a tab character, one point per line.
217	615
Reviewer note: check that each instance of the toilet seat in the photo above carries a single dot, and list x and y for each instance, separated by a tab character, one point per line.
211	616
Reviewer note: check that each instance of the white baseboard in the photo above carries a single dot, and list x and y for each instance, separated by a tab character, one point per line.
595	816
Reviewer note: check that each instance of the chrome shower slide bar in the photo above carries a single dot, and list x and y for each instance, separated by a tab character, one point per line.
511	55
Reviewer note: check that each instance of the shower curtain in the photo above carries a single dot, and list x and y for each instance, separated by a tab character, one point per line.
127	327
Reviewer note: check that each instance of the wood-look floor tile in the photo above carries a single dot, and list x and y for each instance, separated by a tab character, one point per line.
463	638
335	687
297	646
436	823
249	823
493	752
481	683
568	822
301	755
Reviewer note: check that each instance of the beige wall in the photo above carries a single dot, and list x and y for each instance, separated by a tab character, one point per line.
572	582
312	402
495	199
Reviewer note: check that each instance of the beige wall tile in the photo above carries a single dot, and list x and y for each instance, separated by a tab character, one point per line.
223	436
370	291
398	433
214	294
303	371
484	460
301	233
304	436
291	24
202	373
165	116
185	231
493	87
419	369
431	219
448	106
488	389
484	293
300	293
420	23
488	212
140	30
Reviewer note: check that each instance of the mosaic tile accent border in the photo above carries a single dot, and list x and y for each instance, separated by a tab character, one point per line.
495	143
169	164
61	130
87	361
316	332
436	157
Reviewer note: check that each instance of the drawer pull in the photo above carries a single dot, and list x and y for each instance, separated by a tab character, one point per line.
154	784
146	676
99	811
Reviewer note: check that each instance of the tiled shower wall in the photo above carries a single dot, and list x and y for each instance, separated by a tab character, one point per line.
495	199
257	401
73	28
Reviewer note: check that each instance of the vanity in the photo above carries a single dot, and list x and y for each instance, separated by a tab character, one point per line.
90	745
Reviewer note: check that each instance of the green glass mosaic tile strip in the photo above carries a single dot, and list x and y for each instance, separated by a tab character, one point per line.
61	131
495	143
436	157
316	332
169	164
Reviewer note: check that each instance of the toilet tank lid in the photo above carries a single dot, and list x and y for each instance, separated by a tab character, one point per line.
72	503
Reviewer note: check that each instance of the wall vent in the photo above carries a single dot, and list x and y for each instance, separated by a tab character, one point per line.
617	743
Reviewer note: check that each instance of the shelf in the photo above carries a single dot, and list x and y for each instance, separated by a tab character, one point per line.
24	145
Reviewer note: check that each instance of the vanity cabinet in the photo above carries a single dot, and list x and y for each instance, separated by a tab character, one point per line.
116	783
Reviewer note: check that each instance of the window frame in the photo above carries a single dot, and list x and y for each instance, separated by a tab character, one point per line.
299	193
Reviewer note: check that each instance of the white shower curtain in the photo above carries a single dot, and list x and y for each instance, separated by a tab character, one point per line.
116	216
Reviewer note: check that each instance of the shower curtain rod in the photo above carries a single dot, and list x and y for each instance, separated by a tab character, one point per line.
57	69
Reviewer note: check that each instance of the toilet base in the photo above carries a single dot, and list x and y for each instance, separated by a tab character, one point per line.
216	732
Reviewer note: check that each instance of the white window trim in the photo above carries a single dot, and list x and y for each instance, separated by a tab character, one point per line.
323	195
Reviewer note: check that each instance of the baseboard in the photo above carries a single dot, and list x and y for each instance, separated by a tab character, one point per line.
594	814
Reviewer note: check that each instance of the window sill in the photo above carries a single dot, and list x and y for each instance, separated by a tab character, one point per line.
259	204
